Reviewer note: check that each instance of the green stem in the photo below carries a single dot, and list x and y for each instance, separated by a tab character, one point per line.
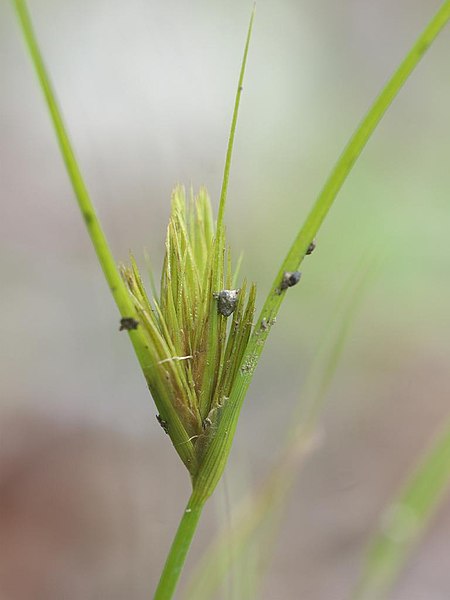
345	164
186	529
179	549
96	234
116	285
226	172
216	458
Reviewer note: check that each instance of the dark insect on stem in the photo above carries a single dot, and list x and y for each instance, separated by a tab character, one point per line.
128	323
226	301
163	423
290	278
311	247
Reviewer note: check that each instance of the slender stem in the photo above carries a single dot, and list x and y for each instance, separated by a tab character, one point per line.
215	460
98	238
179	549
186	529
346	161
226	173
96	234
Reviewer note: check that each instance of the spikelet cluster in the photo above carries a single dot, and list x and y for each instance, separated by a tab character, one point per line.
197	327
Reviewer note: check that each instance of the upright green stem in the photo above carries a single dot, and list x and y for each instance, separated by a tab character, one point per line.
226	172
182	541
179	549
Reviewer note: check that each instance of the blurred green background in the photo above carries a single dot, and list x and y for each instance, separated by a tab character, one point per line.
90	489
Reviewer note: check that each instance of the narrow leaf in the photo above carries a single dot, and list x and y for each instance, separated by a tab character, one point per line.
217	455
118	289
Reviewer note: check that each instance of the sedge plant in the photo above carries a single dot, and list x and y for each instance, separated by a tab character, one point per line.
197	341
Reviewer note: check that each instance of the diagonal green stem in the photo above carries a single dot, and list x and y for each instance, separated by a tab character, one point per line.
98	238
96	233
344	165
215	460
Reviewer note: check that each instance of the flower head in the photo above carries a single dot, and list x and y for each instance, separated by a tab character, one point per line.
197	329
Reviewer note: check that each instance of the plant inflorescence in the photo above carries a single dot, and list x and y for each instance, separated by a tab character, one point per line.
197	328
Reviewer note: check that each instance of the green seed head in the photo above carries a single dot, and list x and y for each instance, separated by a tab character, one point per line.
197	328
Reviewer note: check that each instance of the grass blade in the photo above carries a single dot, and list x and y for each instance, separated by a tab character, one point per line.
118	289
226	173
217	456
406	520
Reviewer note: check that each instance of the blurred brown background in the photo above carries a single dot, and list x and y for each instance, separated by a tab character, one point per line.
90	488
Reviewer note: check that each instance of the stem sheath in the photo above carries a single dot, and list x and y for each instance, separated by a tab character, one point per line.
179	549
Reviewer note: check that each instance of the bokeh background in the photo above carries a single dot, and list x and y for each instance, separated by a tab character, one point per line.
90	488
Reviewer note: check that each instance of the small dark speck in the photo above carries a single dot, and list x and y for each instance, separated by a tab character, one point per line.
206	423
163	423
241	88
87	217
128	323
423	47
311	247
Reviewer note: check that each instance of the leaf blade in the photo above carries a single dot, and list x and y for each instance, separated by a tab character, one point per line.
220	447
